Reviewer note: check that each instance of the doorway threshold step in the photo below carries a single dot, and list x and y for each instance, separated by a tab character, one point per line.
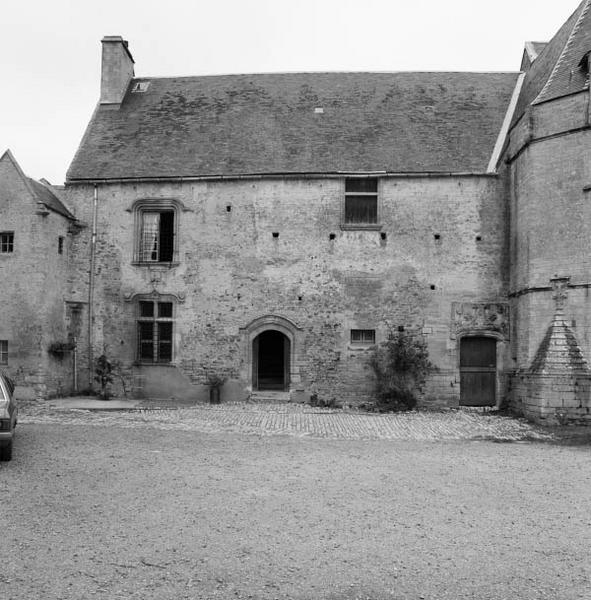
269	396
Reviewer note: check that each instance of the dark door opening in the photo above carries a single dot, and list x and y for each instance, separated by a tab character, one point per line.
478	371
270	353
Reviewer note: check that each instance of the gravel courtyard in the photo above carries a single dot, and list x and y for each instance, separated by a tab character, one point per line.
238	503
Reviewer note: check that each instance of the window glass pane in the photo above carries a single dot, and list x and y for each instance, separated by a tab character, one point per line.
164	342
361	185
4	352
166	236
146	309
150	236
165	309
7	241
146	341
361	209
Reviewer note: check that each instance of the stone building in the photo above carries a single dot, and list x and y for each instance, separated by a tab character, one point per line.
270	229
35	248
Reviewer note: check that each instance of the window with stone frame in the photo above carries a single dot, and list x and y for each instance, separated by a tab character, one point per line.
155	326
156	231
6	241
156	240
3	352
361	209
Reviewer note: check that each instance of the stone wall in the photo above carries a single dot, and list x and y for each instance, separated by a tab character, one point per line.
34	287
550	225
250	248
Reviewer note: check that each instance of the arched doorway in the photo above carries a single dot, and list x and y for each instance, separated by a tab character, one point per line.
271	361
478	371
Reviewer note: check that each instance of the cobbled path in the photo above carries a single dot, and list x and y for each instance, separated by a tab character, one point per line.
300	421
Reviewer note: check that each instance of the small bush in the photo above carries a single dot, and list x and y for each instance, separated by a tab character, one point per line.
320	403
401	365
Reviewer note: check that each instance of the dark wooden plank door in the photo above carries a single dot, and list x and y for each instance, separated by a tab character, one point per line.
478	371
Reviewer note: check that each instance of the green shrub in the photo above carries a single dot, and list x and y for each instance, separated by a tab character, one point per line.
102	375
401	365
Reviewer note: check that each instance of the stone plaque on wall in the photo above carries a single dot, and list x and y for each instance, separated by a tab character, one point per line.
474	317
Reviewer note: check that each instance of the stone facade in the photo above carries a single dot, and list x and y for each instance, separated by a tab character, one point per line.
275	248
35	270
220	237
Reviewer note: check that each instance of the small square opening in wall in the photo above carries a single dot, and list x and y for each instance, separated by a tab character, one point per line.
432	286
363	337
275	234
437	236
228	208
383	236
478	238
332	236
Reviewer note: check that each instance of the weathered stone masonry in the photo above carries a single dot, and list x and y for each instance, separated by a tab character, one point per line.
232	270
268	229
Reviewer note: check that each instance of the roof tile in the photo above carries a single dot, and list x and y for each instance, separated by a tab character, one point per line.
264	124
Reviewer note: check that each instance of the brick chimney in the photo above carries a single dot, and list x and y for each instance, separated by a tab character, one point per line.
116	69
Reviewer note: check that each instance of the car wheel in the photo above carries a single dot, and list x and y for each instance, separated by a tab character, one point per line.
6	452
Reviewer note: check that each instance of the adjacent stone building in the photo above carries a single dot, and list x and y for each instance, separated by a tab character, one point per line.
36	233
269	229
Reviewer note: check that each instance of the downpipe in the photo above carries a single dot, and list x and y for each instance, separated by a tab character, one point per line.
91	287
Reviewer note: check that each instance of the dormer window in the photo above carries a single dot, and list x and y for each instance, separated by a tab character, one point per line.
140	86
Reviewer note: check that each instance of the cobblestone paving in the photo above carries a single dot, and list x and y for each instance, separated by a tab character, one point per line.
300	421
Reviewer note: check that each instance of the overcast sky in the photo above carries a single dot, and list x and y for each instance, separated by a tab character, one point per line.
50	50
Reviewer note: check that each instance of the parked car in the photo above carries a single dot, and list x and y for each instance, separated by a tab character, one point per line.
8	416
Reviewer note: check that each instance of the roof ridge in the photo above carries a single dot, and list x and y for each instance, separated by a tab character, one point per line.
324	72
562	56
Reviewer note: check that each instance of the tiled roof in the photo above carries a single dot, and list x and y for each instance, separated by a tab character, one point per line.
549	74
538	47
297	123
47	197
568	75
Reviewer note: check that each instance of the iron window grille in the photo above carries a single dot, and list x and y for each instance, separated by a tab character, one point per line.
363	337
154	330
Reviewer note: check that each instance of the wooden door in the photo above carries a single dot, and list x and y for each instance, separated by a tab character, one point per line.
478	371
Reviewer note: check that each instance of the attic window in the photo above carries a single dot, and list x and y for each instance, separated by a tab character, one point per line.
361	203
141	86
